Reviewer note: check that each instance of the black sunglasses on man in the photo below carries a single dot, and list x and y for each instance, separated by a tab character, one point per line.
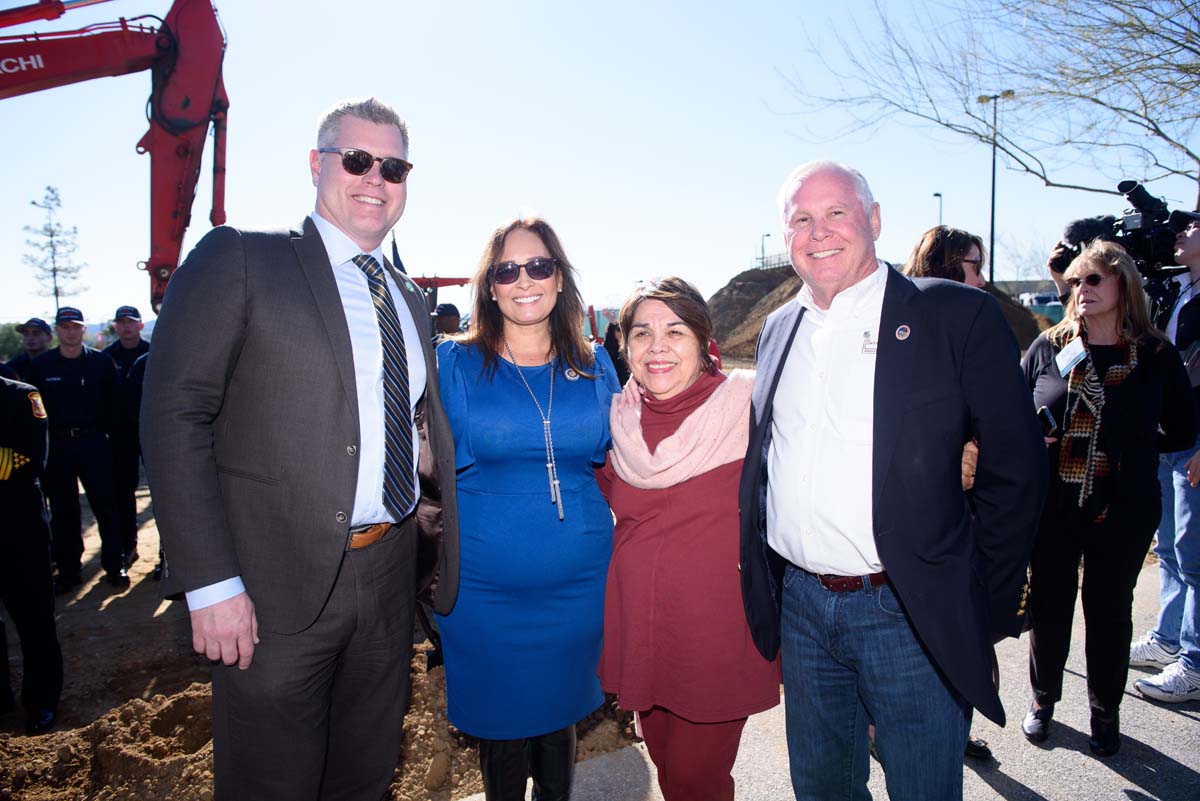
358	162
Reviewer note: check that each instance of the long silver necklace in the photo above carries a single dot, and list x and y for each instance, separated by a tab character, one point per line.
551	465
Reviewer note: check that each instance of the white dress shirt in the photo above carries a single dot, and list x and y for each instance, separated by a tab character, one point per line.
1188	289
819	465
367	350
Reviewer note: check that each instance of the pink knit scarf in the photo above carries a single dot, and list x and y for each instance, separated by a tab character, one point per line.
714	434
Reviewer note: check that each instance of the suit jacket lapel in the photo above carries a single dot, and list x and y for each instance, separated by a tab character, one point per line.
900	334
314	261
770	360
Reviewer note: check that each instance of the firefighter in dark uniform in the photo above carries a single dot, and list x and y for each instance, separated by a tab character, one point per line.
137	375
25	581
127	452
78	385
36	336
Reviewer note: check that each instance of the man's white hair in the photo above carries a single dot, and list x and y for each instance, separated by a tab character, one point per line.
861	187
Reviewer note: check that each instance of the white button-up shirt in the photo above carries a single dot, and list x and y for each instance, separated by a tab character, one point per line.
819	492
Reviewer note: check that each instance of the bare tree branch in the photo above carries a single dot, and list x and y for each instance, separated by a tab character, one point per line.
1110	84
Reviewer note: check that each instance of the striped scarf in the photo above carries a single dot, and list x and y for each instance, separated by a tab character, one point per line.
1081	460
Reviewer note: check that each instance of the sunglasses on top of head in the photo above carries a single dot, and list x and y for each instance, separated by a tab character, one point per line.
358	162
1091	279
539	269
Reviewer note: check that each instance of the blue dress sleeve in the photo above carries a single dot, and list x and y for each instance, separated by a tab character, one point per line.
452	382
606	387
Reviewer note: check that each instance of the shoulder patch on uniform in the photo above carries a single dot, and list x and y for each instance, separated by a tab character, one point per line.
39	408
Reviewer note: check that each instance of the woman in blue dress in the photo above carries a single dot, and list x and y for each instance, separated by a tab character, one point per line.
528	400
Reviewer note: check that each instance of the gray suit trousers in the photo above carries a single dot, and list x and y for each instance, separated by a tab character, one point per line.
323	708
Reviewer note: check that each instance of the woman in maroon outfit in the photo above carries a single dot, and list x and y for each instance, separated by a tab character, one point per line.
677	649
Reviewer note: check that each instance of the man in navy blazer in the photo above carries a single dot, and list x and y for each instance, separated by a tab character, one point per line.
884	585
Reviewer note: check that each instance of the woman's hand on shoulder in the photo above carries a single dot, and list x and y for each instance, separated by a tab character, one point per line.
631	395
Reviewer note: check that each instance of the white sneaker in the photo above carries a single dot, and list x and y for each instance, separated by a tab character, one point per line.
1147	652
1175	684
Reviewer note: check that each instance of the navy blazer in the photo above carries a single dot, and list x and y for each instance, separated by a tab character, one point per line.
956	560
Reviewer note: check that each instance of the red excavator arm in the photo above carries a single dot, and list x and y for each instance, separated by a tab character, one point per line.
184	53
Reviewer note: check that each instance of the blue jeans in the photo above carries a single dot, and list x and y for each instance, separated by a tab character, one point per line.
851	659
1178	551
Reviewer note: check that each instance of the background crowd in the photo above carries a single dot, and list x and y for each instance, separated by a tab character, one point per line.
641	525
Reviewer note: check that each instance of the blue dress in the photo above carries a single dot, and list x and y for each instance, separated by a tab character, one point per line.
522	643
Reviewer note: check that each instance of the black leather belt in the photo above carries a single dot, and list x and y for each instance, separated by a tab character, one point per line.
851	583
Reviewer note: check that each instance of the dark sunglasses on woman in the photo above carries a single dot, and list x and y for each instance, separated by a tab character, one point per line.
539	269
358	162
1091	279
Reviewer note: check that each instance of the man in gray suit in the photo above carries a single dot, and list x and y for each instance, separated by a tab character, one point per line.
290	421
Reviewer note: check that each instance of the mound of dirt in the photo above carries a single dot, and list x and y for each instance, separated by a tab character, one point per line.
733	304
1025	324
161	749
739	308
157	749
135	718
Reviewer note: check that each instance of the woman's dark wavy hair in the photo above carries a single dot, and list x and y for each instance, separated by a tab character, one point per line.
940	254
683	299
566	320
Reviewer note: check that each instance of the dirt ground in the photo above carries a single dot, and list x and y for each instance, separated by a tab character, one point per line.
135	723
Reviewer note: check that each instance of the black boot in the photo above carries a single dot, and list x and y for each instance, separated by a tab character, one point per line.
552	763
1106	736
505	767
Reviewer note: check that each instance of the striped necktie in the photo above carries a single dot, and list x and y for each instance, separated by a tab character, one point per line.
398	487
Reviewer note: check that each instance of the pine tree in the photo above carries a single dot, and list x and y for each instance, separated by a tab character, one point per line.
54	248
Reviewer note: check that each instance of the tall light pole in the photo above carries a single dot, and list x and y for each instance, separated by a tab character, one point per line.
1007	94
938	195
762	251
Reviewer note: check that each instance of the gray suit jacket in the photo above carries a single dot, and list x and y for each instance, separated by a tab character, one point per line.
250	427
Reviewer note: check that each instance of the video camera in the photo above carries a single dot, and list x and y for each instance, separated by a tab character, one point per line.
1146	232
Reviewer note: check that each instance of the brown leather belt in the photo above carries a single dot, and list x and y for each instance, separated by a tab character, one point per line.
362	536
851	583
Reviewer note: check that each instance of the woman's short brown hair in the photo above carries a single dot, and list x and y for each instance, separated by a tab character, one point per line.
941	252
684	300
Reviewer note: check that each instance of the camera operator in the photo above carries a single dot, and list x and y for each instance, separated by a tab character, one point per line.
1173	644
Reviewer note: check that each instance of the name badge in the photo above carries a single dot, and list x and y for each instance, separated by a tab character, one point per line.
1070	356
870	344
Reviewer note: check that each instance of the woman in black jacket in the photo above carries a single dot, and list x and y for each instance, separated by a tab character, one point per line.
1120	392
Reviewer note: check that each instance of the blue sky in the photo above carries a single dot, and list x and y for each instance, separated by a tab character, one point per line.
653	136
